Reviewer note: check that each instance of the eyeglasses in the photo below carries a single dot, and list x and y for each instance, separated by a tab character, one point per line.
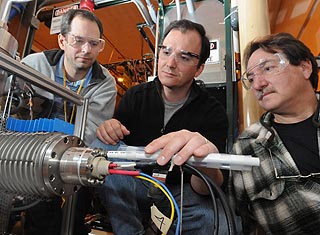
181	57
266	68
291	177
79	41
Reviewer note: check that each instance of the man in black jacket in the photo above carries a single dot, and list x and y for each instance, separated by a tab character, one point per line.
172	102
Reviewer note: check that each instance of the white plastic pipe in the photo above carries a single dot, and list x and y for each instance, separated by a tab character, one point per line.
190	6
6	12
178	9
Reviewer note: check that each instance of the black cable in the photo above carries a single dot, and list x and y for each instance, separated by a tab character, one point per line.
142	165
220	194
146	165
214	191
26	207
212	195
214	202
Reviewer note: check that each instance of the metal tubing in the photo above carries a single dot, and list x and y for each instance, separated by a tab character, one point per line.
27	73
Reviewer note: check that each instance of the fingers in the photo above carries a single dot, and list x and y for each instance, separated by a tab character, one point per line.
159	143
111	131
205	149
182	145
193	144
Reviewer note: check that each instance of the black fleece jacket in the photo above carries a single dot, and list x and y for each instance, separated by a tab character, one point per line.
141	110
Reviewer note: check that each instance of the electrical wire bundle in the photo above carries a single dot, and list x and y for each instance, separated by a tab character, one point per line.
140	175
214	190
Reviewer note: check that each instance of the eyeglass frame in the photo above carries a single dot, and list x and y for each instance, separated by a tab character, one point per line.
99	40
283	62
182	52
290	177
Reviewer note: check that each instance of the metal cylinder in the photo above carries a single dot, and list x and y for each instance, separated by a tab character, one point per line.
8	44
76	167
30	163
40	165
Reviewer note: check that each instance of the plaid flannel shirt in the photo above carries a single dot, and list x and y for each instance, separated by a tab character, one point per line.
277	205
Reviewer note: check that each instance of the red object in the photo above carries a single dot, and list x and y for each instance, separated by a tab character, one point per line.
123	172
112	165
87	5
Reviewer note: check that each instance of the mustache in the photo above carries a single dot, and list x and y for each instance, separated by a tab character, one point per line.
262	92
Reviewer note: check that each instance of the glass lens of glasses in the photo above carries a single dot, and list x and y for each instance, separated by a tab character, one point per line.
182	57
79	41
267	67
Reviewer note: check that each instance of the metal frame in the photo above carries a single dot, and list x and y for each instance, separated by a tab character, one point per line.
36	78
31	75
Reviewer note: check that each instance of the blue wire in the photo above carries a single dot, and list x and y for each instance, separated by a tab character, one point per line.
170	194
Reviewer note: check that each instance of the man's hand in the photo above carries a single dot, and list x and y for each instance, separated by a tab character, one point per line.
182	145
111	131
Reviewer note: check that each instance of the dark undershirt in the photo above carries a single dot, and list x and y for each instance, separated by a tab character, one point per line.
301	141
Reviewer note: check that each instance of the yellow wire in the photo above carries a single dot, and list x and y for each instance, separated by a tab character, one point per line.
163	190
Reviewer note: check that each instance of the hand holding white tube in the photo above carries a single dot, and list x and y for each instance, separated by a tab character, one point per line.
182	145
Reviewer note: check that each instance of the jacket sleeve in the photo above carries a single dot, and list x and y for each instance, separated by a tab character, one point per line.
101	106
38	62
